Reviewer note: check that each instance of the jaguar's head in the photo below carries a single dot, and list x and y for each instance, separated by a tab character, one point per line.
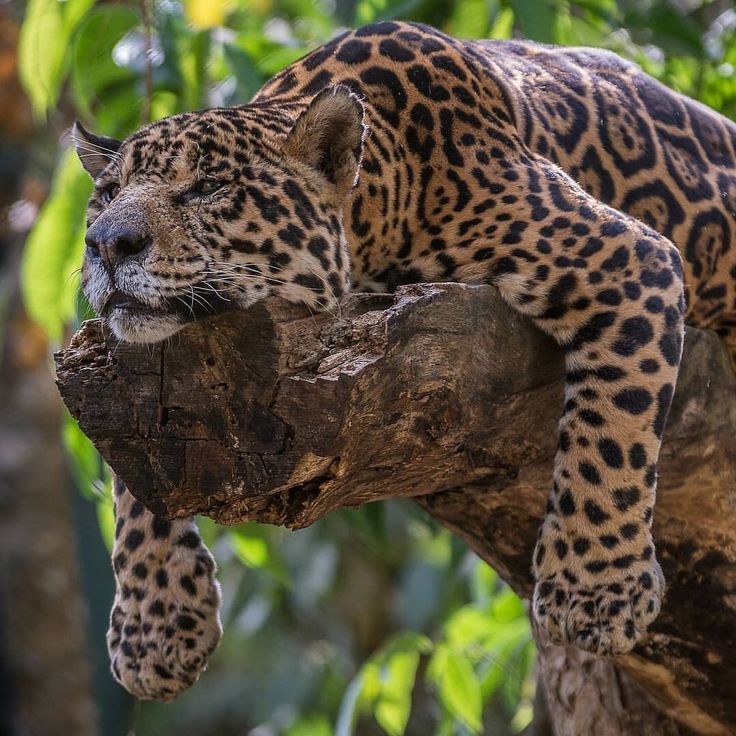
209	211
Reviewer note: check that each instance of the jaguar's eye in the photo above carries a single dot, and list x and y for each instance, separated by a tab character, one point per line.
109	193
201	189
207	186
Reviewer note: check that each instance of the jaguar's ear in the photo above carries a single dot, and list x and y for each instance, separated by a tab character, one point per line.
94	151
328	136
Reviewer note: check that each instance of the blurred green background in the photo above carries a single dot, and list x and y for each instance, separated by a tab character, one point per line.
374	621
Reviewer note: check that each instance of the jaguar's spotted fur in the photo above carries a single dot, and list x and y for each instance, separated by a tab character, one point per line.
396	154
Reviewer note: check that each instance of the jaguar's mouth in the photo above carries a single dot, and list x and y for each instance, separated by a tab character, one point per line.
133	321
118	300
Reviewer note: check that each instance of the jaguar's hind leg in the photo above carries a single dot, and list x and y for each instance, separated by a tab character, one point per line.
165	621
610	291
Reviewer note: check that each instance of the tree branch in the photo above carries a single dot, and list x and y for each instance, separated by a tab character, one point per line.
441	393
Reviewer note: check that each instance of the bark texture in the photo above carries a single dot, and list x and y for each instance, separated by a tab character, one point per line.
441	393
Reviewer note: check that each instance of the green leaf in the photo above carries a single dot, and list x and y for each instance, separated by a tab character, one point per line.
74	12
249	79
121	112
484	582
522	718
503	26
537	18
54	249
470	19
397	682
252	548
193	52
468	626
458	686
386	683
312	725
506	606
42	53
91	475
42	48
668	27
106	520
93	68
87	464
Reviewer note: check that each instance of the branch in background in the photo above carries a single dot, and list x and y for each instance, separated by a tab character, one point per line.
440	393
148	59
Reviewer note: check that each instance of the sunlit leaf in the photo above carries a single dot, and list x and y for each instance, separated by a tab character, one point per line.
387	680
397	681
203	14
54	249
484	582
250	550
42	53
163	104
434	546
106	520
522	718
43	45
503	26
311	725
74	12
253	550
460	691
470	19
507	606
468	626
193	51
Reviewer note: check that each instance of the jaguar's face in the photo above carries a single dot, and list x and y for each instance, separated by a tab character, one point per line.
210	211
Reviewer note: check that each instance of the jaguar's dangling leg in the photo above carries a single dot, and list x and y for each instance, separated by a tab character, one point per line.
165	621
609	290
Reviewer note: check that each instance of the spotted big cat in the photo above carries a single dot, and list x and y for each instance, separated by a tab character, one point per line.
599	203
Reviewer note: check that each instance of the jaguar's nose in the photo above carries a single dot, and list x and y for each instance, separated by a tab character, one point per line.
115	242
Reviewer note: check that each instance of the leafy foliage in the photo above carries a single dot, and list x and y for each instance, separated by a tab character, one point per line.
373	621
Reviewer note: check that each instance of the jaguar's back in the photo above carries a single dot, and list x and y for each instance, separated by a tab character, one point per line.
642	148
624	137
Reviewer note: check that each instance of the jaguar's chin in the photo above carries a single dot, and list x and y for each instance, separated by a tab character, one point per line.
132	320
141	327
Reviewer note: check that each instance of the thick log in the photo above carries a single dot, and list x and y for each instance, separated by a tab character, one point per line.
439	392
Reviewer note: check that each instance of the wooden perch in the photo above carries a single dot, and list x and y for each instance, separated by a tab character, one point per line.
441	393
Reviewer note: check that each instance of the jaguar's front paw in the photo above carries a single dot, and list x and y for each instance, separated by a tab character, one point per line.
165	622
607	616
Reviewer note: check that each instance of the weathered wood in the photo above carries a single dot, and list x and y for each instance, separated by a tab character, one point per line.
439	392
592	696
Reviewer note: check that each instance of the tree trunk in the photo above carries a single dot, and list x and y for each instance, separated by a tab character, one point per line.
441	393
587	695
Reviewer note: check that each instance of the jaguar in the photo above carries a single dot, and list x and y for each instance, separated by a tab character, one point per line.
600	204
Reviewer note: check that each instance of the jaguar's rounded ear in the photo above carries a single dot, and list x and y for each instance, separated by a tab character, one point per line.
328	136
94	151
